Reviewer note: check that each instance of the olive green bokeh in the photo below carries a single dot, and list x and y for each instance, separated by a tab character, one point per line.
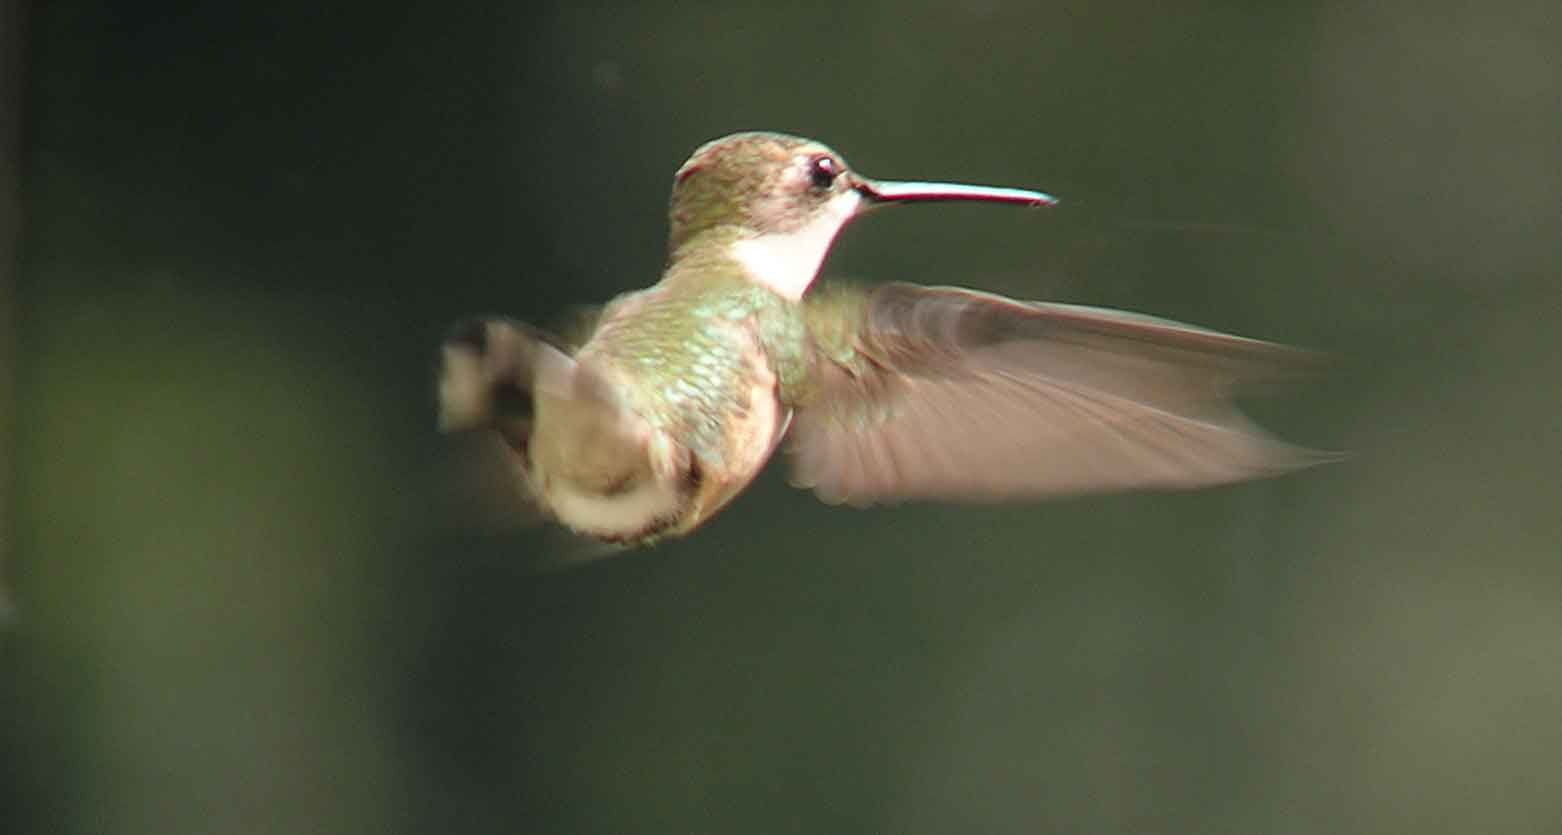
241	605
11	22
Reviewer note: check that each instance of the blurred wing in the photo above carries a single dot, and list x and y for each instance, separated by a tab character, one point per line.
945	393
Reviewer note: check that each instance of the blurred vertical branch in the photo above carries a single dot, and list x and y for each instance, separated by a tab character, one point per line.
11	17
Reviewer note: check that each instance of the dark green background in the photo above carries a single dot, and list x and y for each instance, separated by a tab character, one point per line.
241	605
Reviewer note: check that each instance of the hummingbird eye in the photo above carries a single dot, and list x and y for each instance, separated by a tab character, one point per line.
822	171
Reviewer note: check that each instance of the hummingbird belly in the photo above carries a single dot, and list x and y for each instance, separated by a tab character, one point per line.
695	422
643	510
752	435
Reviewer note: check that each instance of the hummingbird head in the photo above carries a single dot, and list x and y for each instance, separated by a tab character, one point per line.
780	201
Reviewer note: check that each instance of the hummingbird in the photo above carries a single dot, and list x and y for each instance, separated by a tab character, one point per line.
674	397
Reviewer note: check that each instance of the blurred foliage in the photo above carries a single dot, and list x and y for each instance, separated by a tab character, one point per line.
242	606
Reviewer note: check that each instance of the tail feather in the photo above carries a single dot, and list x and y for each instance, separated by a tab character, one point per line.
575	451
490	369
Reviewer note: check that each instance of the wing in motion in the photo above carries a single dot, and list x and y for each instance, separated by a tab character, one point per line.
953	394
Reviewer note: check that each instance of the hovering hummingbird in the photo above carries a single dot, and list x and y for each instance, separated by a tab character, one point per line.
679	393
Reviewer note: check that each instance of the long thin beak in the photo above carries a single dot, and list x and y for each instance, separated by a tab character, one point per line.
882	191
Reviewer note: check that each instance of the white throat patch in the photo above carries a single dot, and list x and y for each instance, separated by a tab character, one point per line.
787	262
